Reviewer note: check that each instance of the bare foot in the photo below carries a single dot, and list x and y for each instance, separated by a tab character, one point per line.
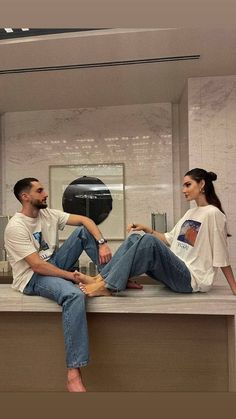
96	289
74	381
133	285
87	279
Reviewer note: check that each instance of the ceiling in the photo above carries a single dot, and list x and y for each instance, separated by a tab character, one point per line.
42	83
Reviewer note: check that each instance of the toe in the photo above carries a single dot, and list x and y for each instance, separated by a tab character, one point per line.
82	287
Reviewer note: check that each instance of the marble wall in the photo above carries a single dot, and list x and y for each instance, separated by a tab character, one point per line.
199	131
183	145
180	152
176	162
140	136
1	166
212	139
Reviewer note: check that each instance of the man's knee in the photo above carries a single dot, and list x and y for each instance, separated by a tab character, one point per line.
83	233
81	230
78	232
77	296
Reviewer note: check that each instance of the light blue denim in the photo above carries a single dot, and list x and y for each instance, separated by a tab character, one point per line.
137	255
146	254
69	296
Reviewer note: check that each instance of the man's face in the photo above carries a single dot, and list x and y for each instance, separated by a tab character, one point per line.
37	196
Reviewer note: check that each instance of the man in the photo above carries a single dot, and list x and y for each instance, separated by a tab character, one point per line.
41	268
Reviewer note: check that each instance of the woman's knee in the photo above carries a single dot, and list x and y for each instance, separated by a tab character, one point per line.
134	237
149	239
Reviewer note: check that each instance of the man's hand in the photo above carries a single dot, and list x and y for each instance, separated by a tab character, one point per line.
104	253
76	277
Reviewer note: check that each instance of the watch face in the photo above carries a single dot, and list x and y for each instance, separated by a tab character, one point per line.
101	241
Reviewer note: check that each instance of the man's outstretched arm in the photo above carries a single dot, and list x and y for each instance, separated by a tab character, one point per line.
45	268
104	251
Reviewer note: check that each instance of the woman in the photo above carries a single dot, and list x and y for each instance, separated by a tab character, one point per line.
186	259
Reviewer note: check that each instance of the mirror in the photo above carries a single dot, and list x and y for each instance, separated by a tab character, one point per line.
88	196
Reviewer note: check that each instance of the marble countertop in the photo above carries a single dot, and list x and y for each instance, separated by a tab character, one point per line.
152	299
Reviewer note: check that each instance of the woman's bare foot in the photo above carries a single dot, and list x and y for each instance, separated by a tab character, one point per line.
87	279
133	285
74	381
96	289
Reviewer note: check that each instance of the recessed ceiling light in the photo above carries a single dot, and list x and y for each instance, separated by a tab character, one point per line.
8	30
25	29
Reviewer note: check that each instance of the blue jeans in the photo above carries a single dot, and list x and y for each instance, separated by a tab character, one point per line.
146	254
69	296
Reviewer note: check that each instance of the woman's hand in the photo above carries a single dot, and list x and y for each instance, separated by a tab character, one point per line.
141	227
138	227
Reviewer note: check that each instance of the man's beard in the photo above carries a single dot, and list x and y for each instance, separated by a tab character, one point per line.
39	205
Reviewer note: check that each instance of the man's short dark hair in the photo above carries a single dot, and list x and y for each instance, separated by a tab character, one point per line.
23	185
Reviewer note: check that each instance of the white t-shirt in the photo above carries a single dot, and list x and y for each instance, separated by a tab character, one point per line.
25	235
200	240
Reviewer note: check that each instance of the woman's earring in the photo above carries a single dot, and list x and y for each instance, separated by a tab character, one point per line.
202	190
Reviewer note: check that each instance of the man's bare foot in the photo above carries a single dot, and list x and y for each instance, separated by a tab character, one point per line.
87	279
96	289
74	381
133	285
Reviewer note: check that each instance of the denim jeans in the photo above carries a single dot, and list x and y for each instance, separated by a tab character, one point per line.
68	295
146	254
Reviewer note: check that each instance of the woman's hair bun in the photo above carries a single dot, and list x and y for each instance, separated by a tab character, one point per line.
212	176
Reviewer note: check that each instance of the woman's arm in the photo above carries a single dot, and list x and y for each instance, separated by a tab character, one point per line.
146	229
228	273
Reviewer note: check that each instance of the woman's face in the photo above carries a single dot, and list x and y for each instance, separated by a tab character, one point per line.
191	188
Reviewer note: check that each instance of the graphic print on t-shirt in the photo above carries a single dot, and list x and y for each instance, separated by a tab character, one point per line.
42	243
189	231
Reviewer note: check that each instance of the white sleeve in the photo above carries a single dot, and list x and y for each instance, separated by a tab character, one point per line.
220	248
171	234
18	243
61	216
175	231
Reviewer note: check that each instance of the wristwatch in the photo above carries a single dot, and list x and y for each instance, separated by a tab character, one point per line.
101	241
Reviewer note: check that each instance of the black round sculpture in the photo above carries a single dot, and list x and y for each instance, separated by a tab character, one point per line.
88	196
